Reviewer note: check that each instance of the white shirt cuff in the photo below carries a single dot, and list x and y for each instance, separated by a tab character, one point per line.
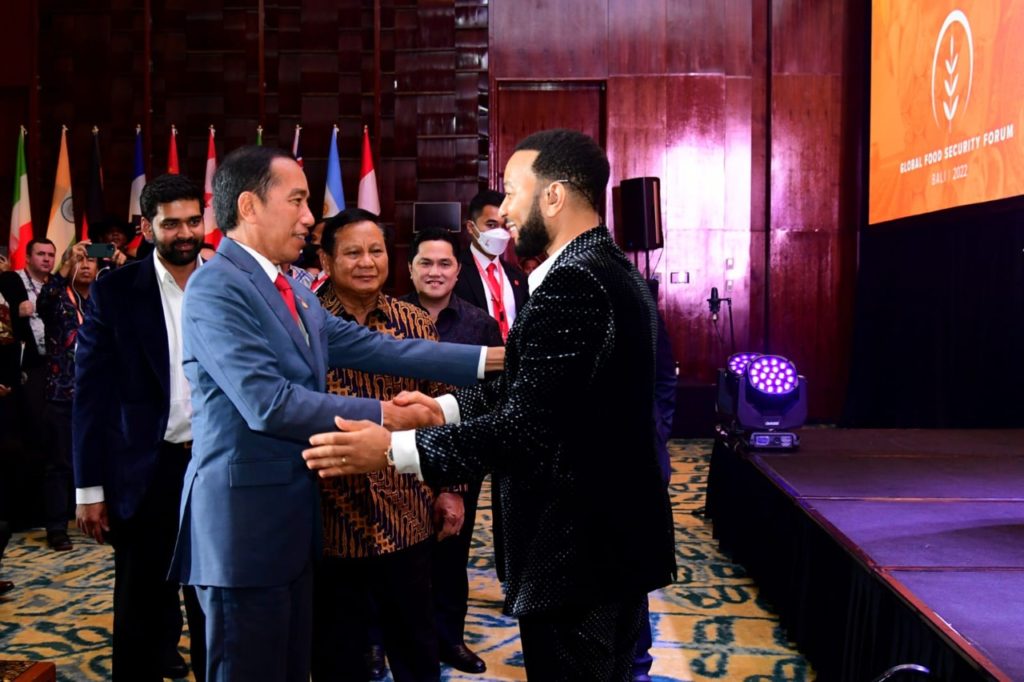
90	495
450	408
406	454
482	366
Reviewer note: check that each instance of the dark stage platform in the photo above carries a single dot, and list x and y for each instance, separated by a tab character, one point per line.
881	547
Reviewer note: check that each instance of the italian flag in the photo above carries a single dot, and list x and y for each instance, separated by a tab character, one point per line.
21	215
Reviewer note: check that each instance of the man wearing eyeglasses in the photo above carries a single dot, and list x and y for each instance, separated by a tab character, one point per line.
132	433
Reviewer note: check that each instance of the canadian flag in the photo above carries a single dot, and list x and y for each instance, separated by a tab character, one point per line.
368	198
213	234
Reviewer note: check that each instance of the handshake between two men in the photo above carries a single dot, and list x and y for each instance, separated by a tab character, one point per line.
359	447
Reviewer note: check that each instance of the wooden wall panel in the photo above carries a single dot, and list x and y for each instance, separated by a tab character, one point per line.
697	36
807	316
553	39
808	36
805	152
695	141
628	19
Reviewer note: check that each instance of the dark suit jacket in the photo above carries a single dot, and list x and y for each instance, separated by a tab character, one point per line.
568	433
13	289
122	387
470	288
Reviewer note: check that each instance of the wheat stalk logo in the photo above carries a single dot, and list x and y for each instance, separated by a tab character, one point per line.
949	108
951	80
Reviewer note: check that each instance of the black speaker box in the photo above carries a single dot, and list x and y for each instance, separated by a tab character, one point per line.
640	213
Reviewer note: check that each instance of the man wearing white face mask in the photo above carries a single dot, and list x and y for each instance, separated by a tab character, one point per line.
487	280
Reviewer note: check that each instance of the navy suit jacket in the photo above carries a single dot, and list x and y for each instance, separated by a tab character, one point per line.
249	515
122	387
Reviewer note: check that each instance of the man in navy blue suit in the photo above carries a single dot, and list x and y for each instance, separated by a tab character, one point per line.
131	426
256	353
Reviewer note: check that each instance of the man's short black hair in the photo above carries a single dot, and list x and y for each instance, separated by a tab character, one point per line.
108	225
487	197
165	189
433	234
572	157
334	224
41	240
247	169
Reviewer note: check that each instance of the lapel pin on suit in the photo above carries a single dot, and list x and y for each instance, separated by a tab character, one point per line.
304	304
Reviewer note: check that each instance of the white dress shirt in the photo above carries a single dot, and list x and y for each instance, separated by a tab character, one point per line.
403	443
179	418
508	297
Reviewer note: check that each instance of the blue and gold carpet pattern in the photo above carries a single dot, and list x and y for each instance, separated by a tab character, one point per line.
709	625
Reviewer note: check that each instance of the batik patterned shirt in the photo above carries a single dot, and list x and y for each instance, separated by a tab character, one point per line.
382	512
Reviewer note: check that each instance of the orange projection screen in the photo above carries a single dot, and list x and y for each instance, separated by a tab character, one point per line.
947	105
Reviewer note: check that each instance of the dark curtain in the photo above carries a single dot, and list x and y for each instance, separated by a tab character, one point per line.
939	321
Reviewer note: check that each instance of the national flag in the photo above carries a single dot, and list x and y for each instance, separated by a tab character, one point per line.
368	198
138	182
259	136
61	228
296	149
94	211
213	235
21	212
334	195
172	153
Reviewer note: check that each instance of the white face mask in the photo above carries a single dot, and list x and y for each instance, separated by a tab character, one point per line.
494	241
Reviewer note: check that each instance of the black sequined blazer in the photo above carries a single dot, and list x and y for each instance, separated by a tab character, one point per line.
568	434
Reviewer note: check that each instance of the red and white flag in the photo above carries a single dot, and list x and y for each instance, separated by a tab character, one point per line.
21	214
368	198
213	234
172	153
296	148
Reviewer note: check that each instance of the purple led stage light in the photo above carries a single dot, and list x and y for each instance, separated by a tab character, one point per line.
738	362
772	375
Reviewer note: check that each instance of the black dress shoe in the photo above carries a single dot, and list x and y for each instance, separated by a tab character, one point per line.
461	658
175	666
374	657
58	540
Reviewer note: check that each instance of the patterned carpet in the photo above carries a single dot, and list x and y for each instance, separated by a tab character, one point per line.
709	625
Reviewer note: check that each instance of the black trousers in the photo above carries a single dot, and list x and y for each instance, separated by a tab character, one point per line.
450	582
144	600
59	480
590	645
399	585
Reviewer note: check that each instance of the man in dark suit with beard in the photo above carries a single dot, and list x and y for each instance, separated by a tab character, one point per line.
132	433
567	432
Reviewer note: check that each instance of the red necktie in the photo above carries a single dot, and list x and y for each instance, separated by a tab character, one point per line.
285	289
497	298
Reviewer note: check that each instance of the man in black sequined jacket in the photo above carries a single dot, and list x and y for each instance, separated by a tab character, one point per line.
567	431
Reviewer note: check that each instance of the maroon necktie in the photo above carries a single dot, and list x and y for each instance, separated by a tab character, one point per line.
285	290
498	298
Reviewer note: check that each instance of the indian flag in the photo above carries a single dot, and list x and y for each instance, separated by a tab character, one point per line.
21	215
61	228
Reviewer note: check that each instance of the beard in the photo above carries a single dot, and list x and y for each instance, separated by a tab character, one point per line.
170	253
533	237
